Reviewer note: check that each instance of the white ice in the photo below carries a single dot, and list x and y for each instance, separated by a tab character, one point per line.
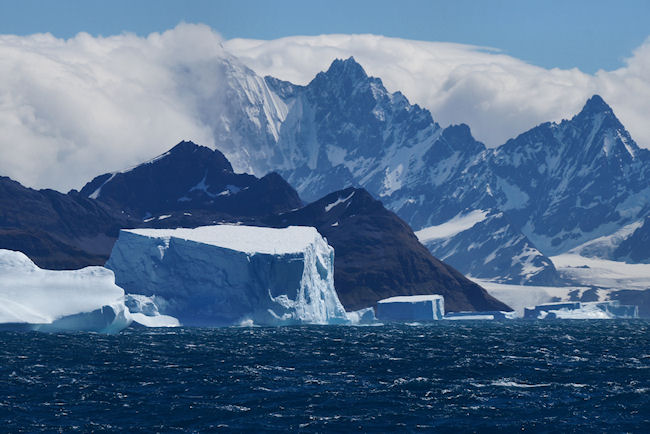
248	239
230	274
362	316
85	299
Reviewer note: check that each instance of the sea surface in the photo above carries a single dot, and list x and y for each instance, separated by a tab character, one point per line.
568	376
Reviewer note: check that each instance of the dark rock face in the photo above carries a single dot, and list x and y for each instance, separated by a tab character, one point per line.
191	177
377	255
57	231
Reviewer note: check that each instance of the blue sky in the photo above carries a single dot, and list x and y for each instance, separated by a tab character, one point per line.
590	35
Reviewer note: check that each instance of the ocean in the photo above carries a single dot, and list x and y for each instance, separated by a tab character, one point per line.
568	376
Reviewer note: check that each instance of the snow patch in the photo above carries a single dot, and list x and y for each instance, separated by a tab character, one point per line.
338	202
456	225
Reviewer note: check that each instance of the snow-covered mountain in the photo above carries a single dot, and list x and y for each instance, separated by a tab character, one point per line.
344	128
549	190
570	182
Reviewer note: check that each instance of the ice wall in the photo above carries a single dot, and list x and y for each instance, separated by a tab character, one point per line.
411	308
229	275
83	300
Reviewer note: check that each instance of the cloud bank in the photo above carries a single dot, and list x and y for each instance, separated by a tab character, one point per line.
497	95
72	109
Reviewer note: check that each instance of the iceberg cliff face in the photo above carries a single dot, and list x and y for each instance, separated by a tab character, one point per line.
80	300
230	275
411	308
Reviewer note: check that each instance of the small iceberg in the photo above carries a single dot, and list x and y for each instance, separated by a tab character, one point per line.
411	308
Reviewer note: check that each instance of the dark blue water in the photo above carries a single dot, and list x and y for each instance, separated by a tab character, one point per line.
543	376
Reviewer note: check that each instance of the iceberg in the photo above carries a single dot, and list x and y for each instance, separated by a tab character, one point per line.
228	275
582	310
144	311
473	316
362	316
80	300
411	308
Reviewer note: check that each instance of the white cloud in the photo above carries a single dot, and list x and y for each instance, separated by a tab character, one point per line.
73	109
497	95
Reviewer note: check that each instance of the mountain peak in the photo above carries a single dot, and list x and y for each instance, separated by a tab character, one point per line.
184	146
596	104
348	67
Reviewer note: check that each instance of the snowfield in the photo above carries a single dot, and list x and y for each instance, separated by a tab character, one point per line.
603	272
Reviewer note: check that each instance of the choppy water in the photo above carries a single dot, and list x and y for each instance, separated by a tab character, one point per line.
554	376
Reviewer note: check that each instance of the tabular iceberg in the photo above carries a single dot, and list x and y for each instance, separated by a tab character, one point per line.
80	300
230	275
582	310
411	308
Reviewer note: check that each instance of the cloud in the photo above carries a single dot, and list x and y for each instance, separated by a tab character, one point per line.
72	109
497	95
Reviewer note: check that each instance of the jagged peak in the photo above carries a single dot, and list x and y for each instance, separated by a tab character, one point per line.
596	104
460	130
349	67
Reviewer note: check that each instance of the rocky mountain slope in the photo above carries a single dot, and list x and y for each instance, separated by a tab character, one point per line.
191	177
57	231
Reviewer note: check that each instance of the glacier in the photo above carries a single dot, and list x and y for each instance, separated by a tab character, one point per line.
227	275
411	308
